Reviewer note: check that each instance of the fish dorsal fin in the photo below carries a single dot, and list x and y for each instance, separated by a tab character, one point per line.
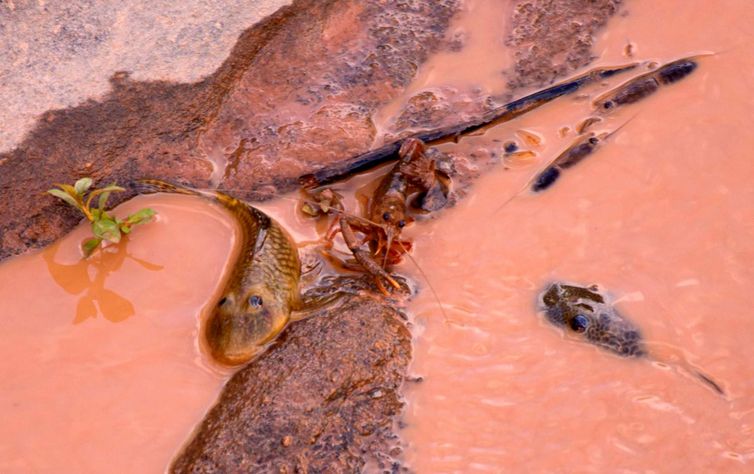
264	226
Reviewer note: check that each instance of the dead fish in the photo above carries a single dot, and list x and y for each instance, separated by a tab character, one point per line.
262	292
584	146
644	85
585	312
576	152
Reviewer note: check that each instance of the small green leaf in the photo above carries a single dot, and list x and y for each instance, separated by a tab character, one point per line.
106	229
90	246
106	190
103	197
139	217
65	197
69	189
82	186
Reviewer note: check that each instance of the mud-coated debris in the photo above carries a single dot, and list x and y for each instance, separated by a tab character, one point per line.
321	202
510	147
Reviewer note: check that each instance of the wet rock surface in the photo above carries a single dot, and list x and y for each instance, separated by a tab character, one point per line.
549	40
296	94
59	54
323	399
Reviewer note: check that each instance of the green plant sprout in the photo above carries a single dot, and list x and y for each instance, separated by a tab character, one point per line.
104	226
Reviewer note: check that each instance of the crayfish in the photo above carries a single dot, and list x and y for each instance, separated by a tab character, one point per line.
419	181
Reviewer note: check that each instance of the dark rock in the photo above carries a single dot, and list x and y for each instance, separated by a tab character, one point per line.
551	38
322	399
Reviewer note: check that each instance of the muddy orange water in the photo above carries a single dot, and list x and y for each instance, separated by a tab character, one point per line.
101	364
104	368
662	216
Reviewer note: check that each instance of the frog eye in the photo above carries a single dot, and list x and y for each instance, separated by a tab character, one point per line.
579	323
386	216
222	301
401	223
594	140
255	301
608	104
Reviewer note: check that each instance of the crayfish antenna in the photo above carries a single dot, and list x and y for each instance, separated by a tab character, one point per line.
426	280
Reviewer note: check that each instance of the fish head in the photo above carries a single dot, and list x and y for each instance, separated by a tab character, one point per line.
242	324
583	312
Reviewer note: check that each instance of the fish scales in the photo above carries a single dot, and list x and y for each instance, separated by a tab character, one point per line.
263	287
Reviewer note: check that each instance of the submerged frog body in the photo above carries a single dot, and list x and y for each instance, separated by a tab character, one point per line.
262	291
584	311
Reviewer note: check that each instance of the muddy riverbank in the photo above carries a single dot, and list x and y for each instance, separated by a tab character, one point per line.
300	91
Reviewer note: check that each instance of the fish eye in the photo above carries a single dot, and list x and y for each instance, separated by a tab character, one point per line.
579	323
401	223
255	301
386	216
222	301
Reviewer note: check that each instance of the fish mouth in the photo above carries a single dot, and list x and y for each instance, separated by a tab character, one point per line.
235	358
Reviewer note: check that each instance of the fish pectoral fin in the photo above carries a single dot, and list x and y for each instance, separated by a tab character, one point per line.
300	315
315	302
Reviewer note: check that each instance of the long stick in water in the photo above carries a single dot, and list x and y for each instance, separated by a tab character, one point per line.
501	114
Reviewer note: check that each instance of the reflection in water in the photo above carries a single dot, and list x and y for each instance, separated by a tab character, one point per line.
73	396
75	279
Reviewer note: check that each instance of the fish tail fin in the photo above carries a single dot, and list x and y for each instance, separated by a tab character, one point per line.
610	134
710	382
674	357
148	186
